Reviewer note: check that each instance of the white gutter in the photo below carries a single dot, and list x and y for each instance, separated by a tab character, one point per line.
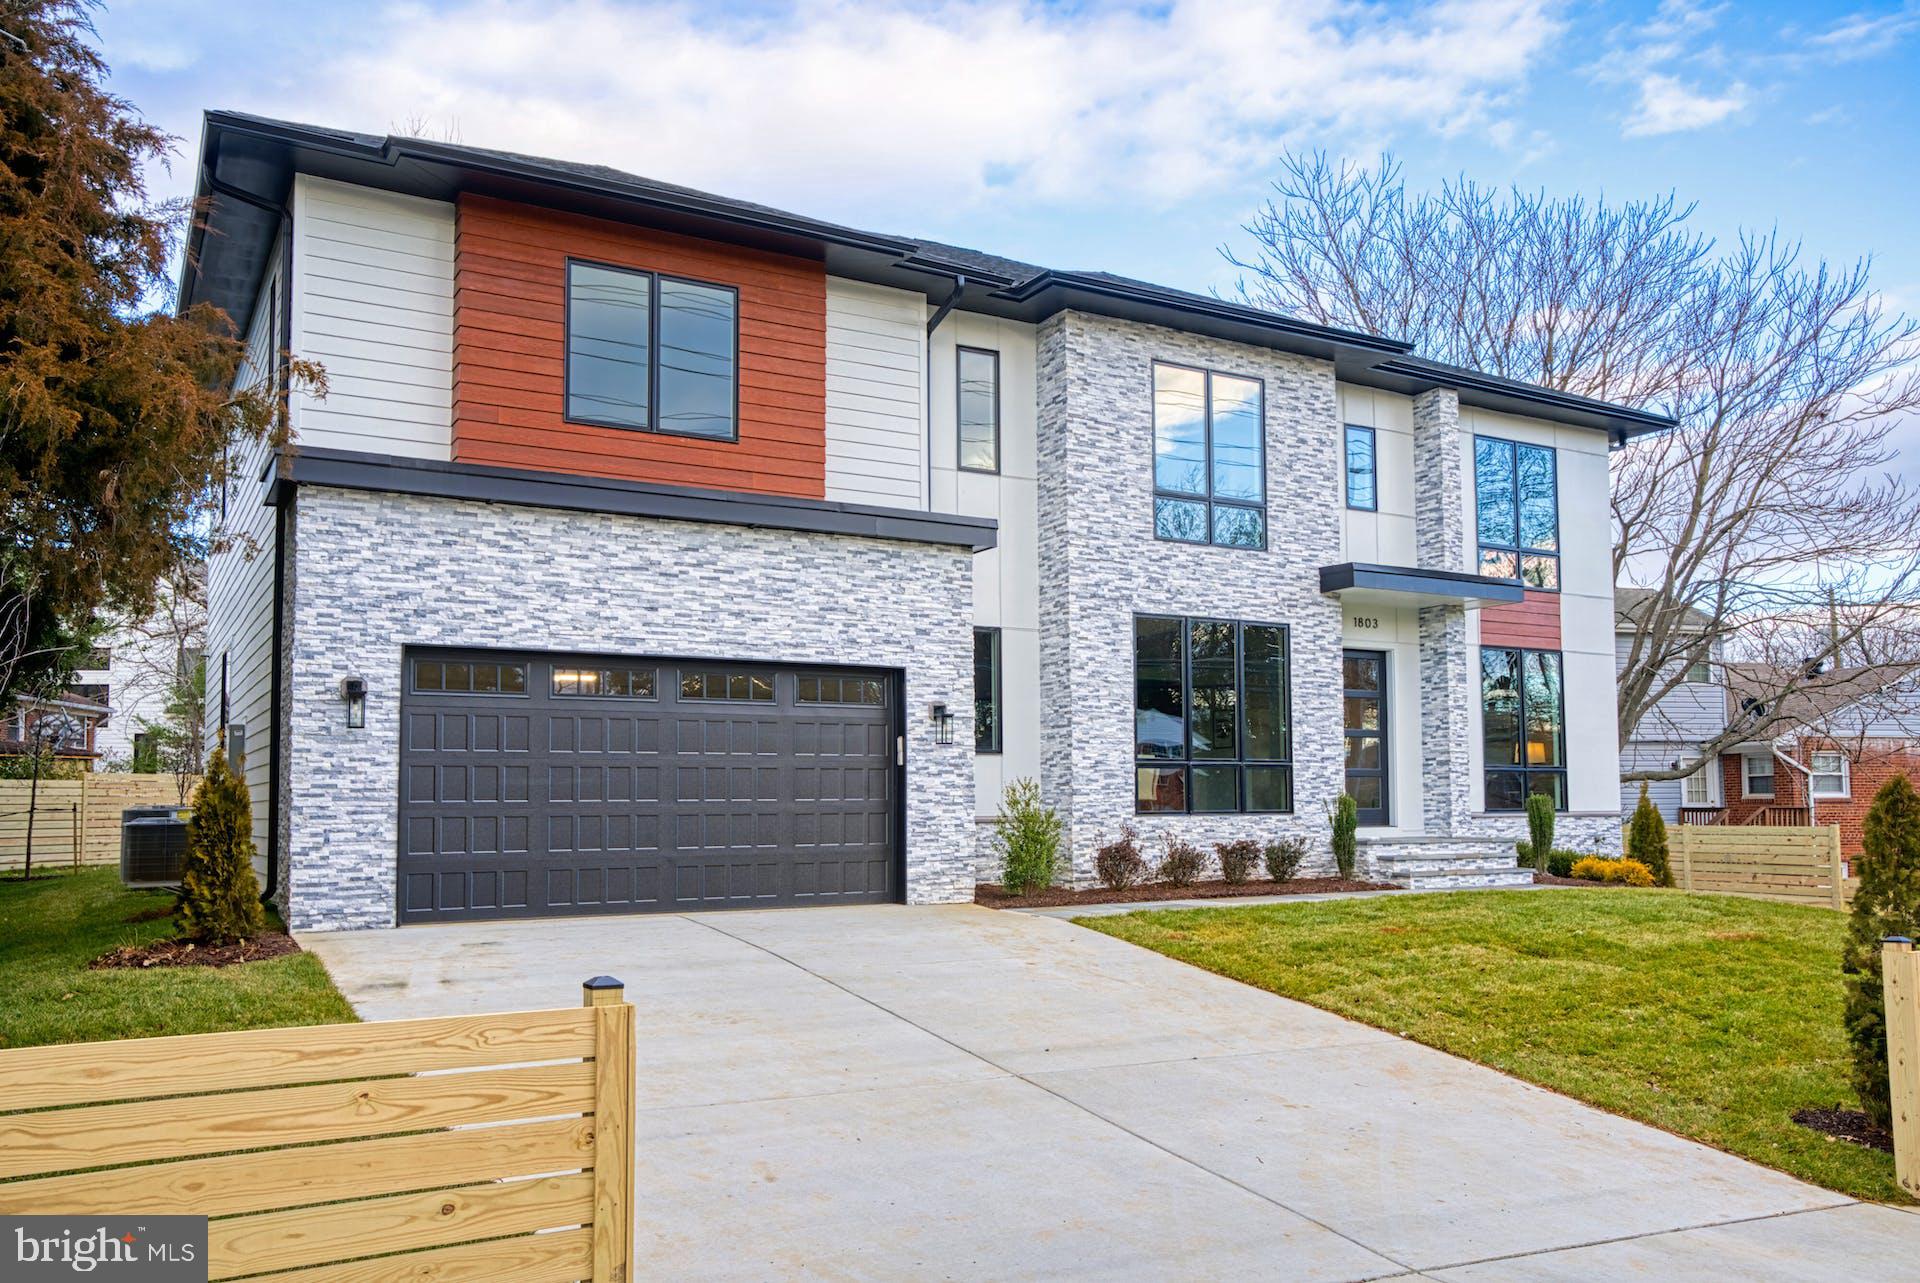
1812	819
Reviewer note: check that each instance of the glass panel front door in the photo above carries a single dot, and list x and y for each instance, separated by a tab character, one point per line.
1364	682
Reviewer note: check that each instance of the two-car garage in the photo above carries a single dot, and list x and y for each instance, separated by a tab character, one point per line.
537	784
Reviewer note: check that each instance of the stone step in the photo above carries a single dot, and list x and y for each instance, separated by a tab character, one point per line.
1427	863
1459	879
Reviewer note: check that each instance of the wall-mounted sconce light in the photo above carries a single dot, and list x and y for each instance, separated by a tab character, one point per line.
942	724
354	691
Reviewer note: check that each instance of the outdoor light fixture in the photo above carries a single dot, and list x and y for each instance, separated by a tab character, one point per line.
354	691
942	724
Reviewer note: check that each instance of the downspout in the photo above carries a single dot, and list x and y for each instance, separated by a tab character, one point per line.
276	683
1807	771
933	323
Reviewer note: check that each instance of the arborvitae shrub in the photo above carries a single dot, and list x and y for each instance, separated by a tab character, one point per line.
1540	828
219	896
1647	839
1887	903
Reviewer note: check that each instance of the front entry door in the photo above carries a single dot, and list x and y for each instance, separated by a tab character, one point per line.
1364	677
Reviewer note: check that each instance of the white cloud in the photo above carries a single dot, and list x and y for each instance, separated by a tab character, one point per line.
832	104
1668	106
1863	35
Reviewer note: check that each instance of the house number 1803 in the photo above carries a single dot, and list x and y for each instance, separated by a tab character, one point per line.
1366	621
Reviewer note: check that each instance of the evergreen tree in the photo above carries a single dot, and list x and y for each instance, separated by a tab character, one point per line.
1887	903
1540	829
1647	840
219	896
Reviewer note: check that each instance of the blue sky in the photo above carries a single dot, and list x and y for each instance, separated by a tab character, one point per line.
1130	138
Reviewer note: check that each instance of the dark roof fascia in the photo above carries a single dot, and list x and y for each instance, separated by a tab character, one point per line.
1453	585
1412	375
392	474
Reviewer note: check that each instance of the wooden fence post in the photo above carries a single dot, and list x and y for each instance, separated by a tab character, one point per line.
1900	976
1686	858
612	1129
1837	873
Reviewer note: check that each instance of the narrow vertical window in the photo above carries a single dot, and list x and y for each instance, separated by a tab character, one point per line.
609	346
979	410
696	359
986	690
1363	490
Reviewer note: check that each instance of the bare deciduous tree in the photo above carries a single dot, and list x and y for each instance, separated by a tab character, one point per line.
1768	518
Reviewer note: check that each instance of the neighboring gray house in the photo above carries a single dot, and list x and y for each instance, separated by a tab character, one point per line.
654	550
1689	715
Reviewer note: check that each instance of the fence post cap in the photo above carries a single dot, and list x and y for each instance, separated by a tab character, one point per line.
602	990
1906	940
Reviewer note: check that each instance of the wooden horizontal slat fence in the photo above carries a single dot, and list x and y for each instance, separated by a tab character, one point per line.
77	822
453	1148
1797	864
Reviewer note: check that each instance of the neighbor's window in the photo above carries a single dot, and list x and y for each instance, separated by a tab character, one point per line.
979	412
1828	770
1699	671
1697	788
1209	458
1756	770
1363	486
651	352
986	690
1517	493
1523	727
609	683
1210	716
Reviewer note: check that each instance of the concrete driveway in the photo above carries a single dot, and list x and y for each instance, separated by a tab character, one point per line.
918	1093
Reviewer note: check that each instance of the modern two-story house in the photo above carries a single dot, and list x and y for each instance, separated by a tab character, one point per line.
652	550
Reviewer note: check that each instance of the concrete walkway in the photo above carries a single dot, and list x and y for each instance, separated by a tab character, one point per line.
955	1093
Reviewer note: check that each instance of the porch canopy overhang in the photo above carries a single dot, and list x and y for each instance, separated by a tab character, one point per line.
1415	585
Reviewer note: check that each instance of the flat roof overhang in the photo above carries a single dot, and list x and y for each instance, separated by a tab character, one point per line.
394	474
1417	585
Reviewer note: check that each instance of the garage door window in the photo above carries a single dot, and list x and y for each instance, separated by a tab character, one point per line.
468	677
714	684
606	683
838	690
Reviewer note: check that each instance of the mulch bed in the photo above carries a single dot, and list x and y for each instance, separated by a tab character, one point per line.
184	953
990	895
1548	880
1846	1124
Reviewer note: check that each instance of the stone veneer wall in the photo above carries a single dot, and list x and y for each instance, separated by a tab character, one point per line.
1100	565
375	573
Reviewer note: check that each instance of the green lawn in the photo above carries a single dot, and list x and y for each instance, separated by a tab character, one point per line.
1709	1016
51	927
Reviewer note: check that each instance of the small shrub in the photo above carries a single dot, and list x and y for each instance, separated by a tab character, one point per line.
1283	857
1346	831
1523	854
1647	839
219	896
1181	864
1601	868
1237	859
1119	863
1560	863
1540	829
1026	833
1887	903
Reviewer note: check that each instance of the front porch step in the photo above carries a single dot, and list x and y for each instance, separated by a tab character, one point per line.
1459	879
1448	866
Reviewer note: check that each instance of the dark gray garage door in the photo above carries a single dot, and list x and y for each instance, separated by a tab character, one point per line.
539	784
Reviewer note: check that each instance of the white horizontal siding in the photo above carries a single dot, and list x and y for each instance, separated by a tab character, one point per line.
876	346
373	304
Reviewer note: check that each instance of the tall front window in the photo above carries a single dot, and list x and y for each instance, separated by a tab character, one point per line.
1363	484
1517	493
1210	716
986	690
1209	458
1523	727
651	352
979	409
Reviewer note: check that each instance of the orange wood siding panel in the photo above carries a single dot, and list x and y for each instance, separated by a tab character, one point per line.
1533	623
509	354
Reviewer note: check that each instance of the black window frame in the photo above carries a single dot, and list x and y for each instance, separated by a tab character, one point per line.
1346	474
995	740
800	696
1240	761
1526	772
1519	551
653	352
1206	500
559	665
704	671
415	688
960	353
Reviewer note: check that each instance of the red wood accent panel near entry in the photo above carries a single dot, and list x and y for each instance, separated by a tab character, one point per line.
1533	623
509	354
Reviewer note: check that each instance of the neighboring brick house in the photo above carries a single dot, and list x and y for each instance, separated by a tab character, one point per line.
653	550
66	727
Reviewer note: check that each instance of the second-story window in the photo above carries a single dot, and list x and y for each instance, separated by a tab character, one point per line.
1518	518
1209	458
1363	484
979	411
651	353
